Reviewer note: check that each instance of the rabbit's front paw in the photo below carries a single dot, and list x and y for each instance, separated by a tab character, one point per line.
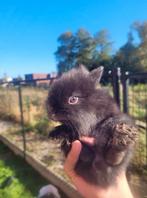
124	137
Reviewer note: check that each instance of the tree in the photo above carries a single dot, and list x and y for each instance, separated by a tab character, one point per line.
103	45
103	50
141	29
65	52
126	57
85	46
74	49
82	48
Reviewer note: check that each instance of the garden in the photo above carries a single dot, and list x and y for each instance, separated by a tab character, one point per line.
17	178
36	127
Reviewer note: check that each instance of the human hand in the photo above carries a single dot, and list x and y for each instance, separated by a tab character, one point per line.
87	190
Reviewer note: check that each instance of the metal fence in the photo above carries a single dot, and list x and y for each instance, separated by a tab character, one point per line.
23	110
130	93
24	104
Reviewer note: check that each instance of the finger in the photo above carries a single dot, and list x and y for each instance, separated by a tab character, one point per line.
88	140
72	157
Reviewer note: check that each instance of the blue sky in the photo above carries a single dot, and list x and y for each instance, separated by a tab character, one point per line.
29	28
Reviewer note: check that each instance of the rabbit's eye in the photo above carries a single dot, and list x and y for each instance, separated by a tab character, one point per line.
73	100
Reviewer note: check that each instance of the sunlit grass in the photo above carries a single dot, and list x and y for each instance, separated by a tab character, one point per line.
17	179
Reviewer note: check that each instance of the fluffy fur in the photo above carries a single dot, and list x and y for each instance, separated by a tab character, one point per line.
94	115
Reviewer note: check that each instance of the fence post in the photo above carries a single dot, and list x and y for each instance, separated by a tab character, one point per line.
22	119
125	85
115	84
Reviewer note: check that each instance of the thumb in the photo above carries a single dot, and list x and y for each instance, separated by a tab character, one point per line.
72	158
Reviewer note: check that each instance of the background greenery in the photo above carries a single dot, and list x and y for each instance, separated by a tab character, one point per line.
93	50
17	179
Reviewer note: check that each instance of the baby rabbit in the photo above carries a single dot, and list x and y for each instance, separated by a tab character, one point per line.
85	109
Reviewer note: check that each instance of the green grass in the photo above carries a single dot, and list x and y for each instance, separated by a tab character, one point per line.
138	101
26	182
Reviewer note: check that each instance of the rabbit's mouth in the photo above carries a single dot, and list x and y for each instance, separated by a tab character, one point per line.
55	118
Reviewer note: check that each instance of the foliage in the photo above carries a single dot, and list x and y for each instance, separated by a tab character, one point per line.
126	57
43	126
92	51
24	183
82	48
141	29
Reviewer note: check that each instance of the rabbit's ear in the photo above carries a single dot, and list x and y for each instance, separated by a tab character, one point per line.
83	68
96	74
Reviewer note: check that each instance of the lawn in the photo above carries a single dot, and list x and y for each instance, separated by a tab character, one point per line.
17	178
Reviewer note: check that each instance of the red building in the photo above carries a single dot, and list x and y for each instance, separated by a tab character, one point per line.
33	79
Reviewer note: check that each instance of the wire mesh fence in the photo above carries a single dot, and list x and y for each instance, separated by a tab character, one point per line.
137	105
24	105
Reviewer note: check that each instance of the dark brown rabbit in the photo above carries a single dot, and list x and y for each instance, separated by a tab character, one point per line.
85	109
